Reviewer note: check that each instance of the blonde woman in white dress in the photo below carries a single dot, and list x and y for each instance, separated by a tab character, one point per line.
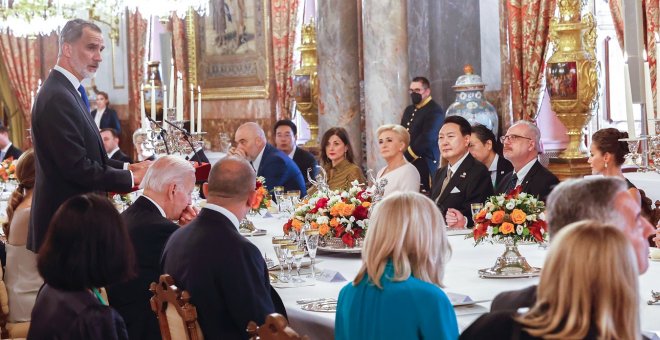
393	139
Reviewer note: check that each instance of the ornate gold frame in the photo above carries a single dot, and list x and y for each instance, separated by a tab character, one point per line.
240	92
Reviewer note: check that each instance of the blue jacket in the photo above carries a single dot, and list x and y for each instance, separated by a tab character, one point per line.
410	309
280	170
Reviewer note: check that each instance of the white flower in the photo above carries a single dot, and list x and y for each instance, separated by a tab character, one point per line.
542	216
489	230
490	206
522	195
500	200
355	183
352	219
344	194
531	217
519	229
489	216
322	220
510	204
361	223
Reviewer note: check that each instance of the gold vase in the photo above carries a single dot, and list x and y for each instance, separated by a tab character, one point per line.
305	85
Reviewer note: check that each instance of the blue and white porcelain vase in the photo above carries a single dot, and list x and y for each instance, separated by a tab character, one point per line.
470	102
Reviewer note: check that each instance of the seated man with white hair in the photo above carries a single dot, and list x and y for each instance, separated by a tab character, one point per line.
266	160
167	185
522	145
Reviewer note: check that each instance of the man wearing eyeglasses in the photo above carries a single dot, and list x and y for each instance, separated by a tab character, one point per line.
423	119
521	148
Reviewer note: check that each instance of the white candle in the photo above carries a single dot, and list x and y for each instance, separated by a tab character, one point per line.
199	108
192	109
171	101
179	97
165	106
649	97
629	110
143	113
31	100
153	100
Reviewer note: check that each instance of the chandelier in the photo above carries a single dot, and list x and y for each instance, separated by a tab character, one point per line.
31	18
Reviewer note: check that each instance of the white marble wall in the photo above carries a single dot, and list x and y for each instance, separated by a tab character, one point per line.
337	49
386	78
490	44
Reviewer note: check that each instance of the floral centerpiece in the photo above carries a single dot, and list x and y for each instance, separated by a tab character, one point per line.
340	214
511	217
8	169
263	197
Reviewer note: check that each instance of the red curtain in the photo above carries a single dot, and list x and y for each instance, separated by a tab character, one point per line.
137	43
651	19
21	59
528	23
283	18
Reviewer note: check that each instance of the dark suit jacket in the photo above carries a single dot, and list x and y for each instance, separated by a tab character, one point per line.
539	181
504	167
70	158
474	185
423	125
122	157
224	273
149	231
13	152
280	170
109	119
305	160
514	299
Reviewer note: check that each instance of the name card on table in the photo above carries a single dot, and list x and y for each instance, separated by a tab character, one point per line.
330	276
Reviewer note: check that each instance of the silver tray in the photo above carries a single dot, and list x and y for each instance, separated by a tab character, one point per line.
490	274
355	250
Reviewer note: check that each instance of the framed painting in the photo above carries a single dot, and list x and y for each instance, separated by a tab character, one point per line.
228	49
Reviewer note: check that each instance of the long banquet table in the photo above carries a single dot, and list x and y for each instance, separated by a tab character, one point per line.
460	277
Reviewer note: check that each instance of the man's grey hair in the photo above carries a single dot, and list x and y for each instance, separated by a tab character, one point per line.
231	177
73	30
165	171
534	131
584	199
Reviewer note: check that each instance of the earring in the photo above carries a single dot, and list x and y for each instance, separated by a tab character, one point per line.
605	165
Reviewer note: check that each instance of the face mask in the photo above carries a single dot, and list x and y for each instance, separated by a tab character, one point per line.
416	98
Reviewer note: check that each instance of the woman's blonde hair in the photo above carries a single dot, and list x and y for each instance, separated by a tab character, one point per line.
589	282
25	174
407	228
398	129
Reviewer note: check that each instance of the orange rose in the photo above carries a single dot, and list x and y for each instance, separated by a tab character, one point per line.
334	222
296	224
481	215
314	225
366	204
498	217
506	228
518	216
348	210
324	229
336	209
257	202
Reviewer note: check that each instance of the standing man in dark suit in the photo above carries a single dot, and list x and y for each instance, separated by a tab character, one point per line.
225	273
276	167
111	145
166	198
521	148
70	157
286	135
423	119
103	115
464	180
7	148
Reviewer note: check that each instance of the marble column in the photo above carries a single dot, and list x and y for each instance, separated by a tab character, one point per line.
338	70
386	78
418	38
454	41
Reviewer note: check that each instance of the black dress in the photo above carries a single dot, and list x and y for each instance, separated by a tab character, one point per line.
73	315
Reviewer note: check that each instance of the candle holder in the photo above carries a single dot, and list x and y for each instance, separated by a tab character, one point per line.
654	152
198	139
633	147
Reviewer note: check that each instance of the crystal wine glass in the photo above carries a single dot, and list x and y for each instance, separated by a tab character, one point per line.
278	243
312	240
475	208
289	249
297	259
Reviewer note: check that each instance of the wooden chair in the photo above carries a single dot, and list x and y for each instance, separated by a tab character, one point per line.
177	317
9	330
275	328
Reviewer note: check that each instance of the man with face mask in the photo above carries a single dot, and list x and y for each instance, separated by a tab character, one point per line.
423	119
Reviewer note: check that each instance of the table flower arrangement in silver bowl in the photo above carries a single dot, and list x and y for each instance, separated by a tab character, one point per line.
341	216
511	218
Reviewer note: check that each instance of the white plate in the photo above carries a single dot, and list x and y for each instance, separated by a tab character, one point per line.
356	250
256	232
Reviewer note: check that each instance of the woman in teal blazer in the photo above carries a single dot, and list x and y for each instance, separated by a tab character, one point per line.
396	294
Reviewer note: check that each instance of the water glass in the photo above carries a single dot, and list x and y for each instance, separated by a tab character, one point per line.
289	249
312	241
298	255
278	191
280	252
475	208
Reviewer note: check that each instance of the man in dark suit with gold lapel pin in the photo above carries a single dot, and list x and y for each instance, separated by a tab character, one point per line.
464	180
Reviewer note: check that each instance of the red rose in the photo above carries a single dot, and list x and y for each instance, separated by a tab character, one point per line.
287	227
535	230
322	203
348	239
259	184
514	192
339	230
479	231
360	213
357	231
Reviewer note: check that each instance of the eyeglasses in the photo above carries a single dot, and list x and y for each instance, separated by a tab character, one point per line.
512	138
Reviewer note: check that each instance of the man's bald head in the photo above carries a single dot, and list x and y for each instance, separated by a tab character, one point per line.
231	178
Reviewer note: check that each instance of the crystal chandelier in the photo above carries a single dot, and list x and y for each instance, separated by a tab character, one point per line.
164	9
31	18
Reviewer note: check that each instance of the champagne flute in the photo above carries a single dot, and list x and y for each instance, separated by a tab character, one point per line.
475	208
298	255
278	243
312	240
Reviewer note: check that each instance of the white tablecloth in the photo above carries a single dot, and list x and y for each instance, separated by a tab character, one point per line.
647	181
460	277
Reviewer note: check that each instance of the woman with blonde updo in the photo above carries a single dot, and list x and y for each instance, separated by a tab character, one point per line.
21	275
393	140
607	154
